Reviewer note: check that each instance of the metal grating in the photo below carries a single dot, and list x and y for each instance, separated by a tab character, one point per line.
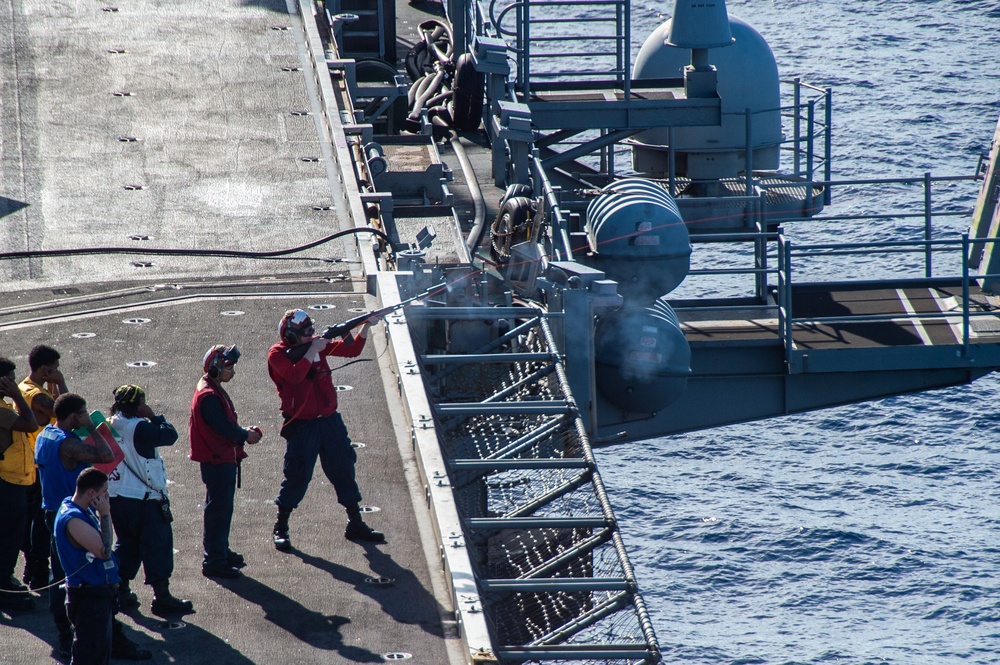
550	565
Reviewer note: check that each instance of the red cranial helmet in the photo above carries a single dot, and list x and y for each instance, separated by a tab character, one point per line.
295	324
218	358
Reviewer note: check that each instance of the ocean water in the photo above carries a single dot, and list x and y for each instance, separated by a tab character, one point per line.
861	534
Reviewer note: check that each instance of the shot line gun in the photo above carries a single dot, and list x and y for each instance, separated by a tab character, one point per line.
296	353
341	329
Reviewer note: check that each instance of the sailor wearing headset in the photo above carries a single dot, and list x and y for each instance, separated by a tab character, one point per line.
313	427
217	445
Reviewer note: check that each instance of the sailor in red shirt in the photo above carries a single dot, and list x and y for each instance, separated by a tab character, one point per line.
313	427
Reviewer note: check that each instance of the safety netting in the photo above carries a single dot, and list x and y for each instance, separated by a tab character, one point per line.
553	574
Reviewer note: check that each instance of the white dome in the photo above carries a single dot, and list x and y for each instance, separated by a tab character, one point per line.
747	78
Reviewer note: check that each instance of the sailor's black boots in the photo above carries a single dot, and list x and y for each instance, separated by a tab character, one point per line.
164	602
282	542
358	530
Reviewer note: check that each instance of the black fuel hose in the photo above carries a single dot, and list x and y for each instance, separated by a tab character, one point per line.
232	253
431	65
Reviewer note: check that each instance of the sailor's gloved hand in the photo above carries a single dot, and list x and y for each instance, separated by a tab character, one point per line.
317	345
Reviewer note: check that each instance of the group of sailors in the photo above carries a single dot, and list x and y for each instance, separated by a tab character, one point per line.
66	479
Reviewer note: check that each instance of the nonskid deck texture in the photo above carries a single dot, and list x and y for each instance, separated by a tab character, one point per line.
159	125
330	600
207	108
908	316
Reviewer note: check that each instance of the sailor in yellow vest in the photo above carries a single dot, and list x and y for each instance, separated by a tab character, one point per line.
17	473
41	388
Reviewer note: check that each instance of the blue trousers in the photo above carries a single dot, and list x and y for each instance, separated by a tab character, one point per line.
36	534
220	491
144	537
90	609
327	439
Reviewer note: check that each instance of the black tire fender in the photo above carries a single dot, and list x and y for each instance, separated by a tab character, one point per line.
514	190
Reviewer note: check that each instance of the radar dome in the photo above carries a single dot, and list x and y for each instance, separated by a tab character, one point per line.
747	78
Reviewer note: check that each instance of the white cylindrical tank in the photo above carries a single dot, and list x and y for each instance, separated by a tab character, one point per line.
638	238
642	358
747	78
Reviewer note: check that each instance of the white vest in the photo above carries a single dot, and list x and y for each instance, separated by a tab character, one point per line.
123	481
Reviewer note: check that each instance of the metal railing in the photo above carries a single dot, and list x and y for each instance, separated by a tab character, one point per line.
807	127
599	48
786	284
927	206
922	210
778	264
789	255
819	100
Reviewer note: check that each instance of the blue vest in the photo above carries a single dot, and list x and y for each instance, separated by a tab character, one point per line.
57	482
79	570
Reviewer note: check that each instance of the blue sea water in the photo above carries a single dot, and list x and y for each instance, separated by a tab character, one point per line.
861	534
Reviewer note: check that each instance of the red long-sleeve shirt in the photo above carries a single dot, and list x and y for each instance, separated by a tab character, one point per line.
306	388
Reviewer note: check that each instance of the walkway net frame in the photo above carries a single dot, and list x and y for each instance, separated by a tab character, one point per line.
551	567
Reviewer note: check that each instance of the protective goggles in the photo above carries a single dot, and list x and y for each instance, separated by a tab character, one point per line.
230	356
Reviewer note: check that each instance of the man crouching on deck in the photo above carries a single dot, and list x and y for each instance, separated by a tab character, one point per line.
313	427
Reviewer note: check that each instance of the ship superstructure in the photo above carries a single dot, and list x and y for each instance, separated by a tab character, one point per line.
602	247
641	216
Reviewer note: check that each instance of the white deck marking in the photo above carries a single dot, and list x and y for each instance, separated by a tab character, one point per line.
950	304
924	337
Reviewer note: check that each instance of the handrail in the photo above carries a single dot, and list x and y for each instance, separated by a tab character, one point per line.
873	181
965	295
789	255
876	318
523	40
562	247
965	314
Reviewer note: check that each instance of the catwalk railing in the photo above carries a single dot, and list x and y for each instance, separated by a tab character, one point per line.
550	564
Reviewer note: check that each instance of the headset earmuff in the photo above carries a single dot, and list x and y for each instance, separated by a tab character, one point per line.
289	337
291	330
217	365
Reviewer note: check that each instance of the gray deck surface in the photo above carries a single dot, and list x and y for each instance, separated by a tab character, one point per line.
313	605
218	146
219	153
